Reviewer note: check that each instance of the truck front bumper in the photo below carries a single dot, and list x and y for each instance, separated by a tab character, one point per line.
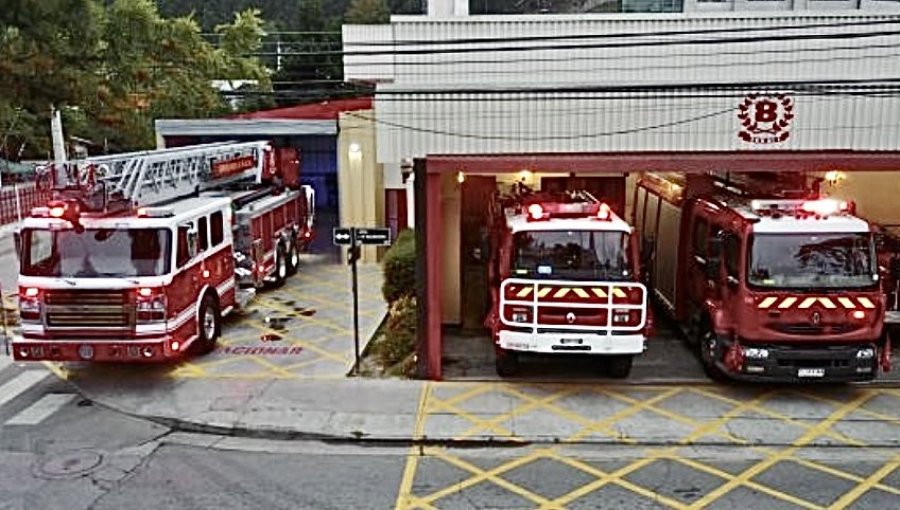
847	363
575	342
144	350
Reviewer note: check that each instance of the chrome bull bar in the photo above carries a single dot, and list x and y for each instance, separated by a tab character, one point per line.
581	291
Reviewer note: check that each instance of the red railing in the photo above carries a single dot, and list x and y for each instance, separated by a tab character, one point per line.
17	200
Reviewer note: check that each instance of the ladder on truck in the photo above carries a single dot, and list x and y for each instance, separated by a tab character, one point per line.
156	176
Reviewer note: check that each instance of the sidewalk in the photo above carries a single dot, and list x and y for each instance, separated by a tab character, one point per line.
469	413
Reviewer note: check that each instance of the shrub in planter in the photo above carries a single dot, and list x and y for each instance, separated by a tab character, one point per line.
399	340
399	266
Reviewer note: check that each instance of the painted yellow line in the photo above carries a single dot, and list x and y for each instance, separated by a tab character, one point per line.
412	459
622	414
874	479
787	303
57	370
846	302
813	433
767	302
808	302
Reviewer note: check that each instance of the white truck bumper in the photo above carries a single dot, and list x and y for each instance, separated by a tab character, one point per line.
575	343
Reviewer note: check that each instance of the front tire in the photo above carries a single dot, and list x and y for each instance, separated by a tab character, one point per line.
707	351
619	367
209	321
293	258
279	276
507	363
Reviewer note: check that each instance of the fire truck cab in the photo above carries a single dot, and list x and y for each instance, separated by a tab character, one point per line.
139	256
565	281
766	288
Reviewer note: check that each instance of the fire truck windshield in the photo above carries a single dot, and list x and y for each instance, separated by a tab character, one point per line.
812	260
580	255
95	253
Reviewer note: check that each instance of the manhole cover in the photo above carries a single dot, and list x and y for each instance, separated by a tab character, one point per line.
69	464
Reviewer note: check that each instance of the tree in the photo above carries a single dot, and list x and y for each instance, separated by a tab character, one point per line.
367	12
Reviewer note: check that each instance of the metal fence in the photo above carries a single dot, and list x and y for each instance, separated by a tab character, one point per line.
17	200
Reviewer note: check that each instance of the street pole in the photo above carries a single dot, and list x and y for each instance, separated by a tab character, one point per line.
354	254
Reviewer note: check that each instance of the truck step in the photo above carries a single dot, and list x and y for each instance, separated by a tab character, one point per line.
244	296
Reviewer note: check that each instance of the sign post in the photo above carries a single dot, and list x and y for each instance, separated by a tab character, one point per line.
355	237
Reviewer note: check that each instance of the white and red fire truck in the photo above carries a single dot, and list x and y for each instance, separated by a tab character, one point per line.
565	281
766	287
139	256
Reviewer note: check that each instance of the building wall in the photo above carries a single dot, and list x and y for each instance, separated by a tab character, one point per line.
876	194
450	212
360	178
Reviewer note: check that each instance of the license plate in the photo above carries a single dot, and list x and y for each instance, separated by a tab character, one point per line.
811	372
571	341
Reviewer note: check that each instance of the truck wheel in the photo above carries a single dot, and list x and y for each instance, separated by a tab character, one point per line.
707	348
210	326
281	266
507	363
619	367
293	259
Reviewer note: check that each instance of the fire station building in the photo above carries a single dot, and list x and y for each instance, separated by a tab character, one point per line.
589	101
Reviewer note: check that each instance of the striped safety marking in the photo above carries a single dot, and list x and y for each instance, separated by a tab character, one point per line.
562	292
806	303
599	292
524	292
544	291
581	293
619	293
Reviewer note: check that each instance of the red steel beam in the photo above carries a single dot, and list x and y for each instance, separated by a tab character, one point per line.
690	162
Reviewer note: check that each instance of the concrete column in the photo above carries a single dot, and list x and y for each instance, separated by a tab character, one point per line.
448	8
360	177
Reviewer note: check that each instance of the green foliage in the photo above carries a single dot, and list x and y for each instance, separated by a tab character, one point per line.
112	67
367	12
399	266
399	340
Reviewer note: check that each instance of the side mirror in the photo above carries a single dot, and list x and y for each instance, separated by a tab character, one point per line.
17	237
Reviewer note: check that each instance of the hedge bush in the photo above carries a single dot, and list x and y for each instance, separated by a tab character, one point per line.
399	266
399	340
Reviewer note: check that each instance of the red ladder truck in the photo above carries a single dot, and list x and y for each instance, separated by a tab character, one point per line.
565	281
138	256
766	288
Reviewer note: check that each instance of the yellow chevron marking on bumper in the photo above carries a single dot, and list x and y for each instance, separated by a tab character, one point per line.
562	292
866	302
827	303
619	293
787	303
581	293
767	302
544	291
808	302
524	292
599	292
846	302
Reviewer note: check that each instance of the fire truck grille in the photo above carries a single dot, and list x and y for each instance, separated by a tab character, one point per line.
88	309
811	329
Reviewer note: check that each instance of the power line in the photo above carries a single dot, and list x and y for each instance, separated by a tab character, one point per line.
627	44
627	35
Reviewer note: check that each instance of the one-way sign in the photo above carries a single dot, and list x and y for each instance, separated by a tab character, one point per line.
376	236
343	236
369	236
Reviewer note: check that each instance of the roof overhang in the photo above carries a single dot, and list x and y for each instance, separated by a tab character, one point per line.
245	127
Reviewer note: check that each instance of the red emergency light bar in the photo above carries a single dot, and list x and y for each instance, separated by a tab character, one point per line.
820	207
545	211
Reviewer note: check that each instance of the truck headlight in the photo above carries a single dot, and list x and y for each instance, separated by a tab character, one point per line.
866	353
520	315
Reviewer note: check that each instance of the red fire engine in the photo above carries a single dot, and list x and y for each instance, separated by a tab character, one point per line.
139	256
565	281
766	288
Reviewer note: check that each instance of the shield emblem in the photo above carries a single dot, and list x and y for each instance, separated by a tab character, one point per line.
570	317
816	318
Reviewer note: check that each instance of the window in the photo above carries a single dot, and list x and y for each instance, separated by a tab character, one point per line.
217	227
184	254
812	261
573	254
40	248
96	252
202	234
701	231
732	254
